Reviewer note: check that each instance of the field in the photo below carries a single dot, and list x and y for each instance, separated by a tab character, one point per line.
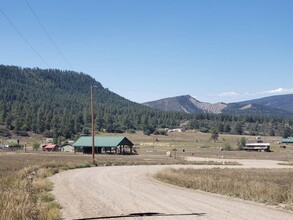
193	143
200	144
270	186
24	173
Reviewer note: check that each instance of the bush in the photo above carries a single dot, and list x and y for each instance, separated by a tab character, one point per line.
160	132
148	130
241	144
4	132
22	133
204	130
131	131
227	147
48	134
36	146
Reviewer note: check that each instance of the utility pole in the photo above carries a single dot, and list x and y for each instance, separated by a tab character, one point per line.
93	124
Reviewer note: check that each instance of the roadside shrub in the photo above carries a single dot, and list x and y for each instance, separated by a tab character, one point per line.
42	185
53	214
47	197
19	199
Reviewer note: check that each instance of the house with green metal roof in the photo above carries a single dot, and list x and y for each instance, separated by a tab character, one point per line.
287	141
121	145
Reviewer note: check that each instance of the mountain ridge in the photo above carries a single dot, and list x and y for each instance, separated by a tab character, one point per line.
281	105
186	103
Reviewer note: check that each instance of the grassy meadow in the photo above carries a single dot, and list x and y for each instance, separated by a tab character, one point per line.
270	186
192	143
200	144
25	191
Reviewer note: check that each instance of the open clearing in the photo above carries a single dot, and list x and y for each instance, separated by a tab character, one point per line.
132	192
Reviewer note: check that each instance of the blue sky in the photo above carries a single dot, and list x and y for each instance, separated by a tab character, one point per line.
144	50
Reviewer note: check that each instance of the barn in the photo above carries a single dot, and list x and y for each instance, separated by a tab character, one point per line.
106	144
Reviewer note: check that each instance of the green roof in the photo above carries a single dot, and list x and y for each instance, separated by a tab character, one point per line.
102	141
287	140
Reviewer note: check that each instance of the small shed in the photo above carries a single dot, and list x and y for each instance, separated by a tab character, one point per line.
118	145
67	148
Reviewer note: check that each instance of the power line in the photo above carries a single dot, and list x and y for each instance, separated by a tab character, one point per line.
22	36
48	36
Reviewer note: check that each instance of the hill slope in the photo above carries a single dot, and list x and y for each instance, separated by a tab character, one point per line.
283	102
57	103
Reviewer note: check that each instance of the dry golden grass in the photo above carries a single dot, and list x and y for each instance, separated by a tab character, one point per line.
19	198
271	186
24	189
194	143
13	162
24	199
200	144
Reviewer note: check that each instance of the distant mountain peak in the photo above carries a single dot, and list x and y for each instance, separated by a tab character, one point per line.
281	105
186	103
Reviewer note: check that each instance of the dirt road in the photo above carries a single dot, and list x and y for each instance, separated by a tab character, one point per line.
130	192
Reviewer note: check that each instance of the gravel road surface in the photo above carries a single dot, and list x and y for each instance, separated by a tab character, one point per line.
130	192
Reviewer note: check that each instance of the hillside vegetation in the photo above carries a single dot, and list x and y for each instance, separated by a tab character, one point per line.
56	103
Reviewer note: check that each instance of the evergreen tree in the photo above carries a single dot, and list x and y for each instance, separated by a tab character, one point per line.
286	132
227	128
215	135
238	129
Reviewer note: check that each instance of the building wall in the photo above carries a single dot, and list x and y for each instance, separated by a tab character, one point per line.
67	149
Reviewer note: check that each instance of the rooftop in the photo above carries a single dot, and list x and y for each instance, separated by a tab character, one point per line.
107	141
287	140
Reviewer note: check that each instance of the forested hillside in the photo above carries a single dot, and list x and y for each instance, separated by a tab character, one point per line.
284	102
56	104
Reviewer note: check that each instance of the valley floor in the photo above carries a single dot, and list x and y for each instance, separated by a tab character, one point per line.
132	192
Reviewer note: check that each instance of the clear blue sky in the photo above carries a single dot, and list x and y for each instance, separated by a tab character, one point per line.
144	50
